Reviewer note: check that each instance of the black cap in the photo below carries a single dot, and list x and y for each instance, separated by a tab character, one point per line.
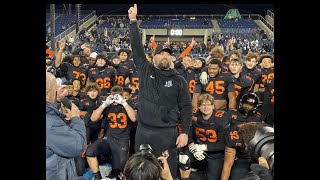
163	48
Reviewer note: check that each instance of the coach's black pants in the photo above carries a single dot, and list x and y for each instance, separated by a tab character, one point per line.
160	139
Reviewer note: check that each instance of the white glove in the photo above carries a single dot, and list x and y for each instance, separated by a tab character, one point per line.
192	148
201	147
118	99
204	77
108	101
197	153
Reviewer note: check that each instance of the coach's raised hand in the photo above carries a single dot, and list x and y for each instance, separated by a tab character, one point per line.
132	12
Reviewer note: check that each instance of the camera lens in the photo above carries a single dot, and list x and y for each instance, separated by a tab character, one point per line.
145	147
262	145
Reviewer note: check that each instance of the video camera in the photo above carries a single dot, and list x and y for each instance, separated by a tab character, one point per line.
262	145
148	149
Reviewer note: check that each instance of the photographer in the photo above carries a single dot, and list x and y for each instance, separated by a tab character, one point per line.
144	165
60	152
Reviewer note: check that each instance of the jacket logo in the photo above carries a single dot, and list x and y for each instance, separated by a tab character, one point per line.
168	84
151	76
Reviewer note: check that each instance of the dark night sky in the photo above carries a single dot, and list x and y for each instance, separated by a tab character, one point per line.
178	8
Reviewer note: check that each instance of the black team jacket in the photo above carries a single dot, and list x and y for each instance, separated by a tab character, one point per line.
163	94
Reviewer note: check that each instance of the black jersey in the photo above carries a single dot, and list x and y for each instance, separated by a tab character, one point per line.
76	73
118	123
254	73
122	74
129	64
105	78
189	75
218	86
243	84
267	73
210	132
233	138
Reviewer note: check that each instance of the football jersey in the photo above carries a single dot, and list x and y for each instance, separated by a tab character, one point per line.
118	123
189	75
76	73
210	132
105	78
122	74
233	138
218	86
242	85
254	73
270	86
88	104
134	79
129	64
267	73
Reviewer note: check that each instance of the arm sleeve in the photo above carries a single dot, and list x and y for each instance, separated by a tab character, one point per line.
67	141
185	52
177	64
154	45
185	106
191	134
138	55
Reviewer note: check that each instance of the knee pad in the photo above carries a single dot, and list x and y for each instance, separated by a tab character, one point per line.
184	162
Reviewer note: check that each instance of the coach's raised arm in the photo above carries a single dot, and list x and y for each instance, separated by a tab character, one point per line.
163	97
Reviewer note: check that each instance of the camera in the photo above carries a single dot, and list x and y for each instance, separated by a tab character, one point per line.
148	149
66	102
262	145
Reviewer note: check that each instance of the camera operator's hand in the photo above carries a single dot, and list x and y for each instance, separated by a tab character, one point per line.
74	112
197	153
108	101
165	174
204	77
118	99
263	162
262	169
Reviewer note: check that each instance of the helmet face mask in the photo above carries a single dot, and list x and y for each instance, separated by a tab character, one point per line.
248	104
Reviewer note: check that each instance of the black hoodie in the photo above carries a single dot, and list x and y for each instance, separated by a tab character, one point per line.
163	94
